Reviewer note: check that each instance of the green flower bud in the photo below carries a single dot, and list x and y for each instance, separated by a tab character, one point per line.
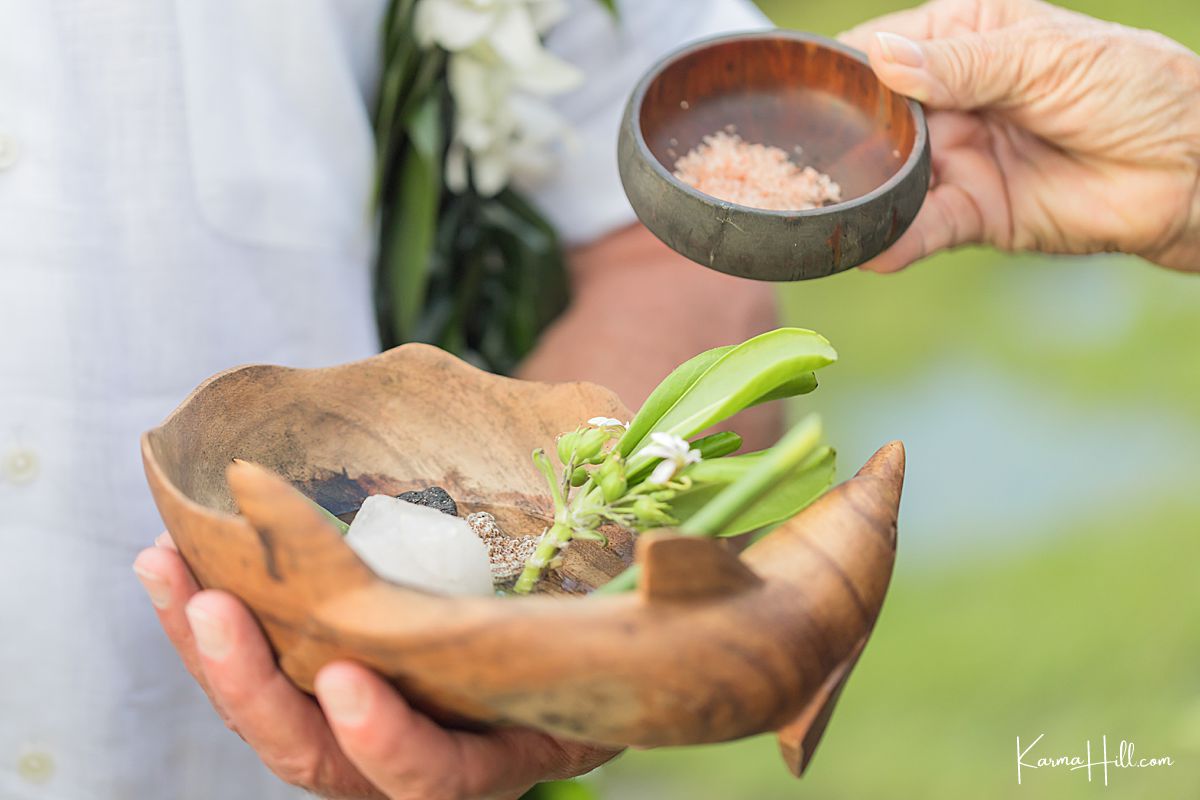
591	536
591	442
718	444
650	514
568	443
613	486
579	477
612	465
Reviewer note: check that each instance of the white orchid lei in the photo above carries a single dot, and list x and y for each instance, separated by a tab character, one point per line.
463	122
500	75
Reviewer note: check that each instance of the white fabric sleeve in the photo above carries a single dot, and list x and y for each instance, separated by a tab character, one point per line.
583	197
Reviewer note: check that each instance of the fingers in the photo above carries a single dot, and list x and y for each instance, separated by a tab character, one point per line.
170	585
948	218
967	188
964	73
410	757
372	742
279	721
399	750
959	54
221	645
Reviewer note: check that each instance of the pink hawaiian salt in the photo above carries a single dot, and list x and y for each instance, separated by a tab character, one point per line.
761	176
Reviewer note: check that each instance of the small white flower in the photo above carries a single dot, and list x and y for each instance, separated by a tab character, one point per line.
607	422
675	452
663	472
667	445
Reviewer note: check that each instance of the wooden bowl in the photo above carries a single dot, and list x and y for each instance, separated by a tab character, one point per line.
786	89
711	647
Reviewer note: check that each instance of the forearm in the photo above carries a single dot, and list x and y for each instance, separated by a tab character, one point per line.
639	310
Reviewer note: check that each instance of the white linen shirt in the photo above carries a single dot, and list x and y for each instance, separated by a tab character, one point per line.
185	186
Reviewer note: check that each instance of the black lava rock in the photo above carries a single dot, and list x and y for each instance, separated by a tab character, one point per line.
434	497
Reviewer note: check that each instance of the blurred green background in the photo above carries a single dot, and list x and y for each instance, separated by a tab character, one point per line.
1049	571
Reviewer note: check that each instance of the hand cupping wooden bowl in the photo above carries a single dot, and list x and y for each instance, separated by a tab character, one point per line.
794	91
711	646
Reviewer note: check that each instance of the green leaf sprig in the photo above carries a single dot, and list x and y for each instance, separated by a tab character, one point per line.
655	472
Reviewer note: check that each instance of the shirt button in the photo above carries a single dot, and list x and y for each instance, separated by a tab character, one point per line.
21	465
8	151
35	767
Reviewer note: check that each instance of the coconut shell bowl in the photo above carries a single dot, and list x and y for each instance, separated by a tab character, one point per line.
790	90
710	647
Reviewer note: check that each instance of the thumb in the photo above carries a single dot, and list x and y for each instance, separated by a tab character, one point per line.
960	73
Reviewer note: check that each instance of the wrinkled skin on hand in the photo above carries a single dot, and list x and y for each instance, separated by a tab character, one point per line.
1050	130
358	739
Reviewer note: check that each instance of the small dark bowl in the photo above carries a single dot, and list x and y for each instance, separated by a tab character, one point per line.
787	89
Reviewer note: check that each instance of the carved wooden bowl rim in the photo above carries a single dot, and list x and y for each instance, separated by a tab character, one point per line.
604	399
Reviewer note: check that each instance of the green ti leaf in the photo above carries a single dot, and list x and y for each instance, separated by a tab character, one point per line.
790	495
666	394
408	244
719	383
764	477
753	491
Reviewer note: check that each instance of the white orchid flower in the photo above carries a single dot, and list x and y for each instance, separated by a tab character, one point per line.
675	452
454	24
508	29
498	73
607	422
458	24
506	134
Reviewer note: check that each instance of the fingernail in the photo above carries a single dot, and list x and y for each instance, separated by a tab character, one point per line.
155	586
212	639
899	50
343	698
164	540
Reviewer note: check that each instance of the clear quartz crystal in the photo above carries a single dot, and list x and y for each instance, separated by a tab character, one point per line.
420	547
